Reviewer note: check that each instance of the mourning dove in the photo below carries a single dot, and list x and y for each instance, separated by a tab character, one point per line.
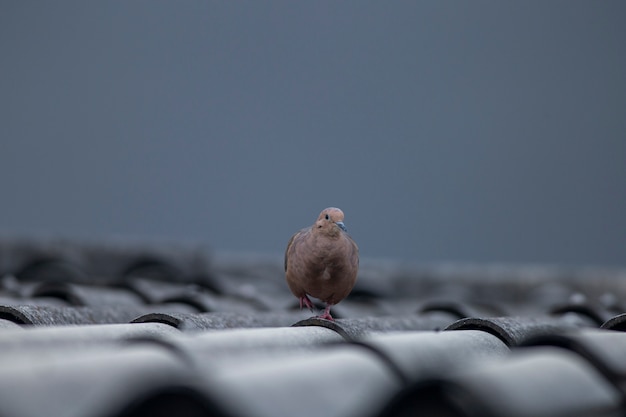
322	261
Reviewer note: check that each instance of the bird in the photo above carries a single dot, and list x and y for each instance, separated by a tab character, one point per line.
322	261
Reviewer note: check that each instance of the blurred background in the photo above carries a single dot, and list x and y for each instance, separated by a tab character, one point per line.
446	131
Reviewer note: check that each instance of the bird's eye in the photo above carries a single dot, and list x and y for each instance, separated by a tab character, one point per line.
327	217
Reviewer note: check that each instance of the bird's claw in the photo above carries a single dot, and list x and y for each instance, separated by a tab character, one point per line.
305	301
326	314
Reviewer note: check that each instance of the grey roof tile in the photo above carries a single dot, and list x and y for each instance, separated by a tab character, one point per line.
534	382
40	315
94	382
359	307
353	329
115	329
8	324
202	298
516	330
604	349
98	262
155	291
617	322
460	309
78	337
595	312
334	381
422	355
222	320
86	295
239	342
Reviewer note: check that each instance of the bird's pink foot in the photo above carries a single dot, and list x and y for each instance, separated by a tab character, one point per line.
326	314
306	301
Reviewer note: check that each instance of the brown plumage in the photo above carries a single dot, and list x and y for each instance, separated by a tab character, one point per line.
322	261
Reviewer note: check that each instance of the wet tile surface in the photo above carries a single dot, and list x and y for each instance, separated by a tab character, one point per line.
119	329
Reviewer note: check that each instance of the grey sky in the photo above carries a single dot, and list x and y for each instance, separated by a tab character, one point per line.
463	131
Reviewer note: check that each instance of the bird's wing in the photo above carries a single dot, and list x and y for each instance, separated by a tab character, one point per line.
293	238
354	255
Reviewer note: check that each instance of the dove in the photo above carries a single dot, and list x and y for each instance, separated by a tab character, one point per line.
322	261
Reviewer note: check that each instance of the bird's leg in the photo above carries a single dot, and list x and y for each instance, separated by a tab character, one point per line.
305	301
326	314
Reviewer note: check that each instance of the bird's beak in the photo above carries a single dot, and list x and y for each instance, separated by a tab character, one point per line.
342	226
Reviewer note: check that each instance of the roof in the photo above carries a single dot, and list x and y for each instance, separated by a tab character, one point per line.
116	329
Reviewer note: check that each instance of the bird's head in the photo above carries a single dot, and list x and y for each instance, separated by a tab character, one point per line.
330	222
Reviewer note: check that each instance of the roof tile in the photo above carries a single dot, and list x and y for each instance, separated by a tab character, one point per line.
120	330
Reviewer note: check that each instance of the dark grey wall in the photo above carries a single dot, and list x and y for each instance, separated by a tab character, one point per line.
466	131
